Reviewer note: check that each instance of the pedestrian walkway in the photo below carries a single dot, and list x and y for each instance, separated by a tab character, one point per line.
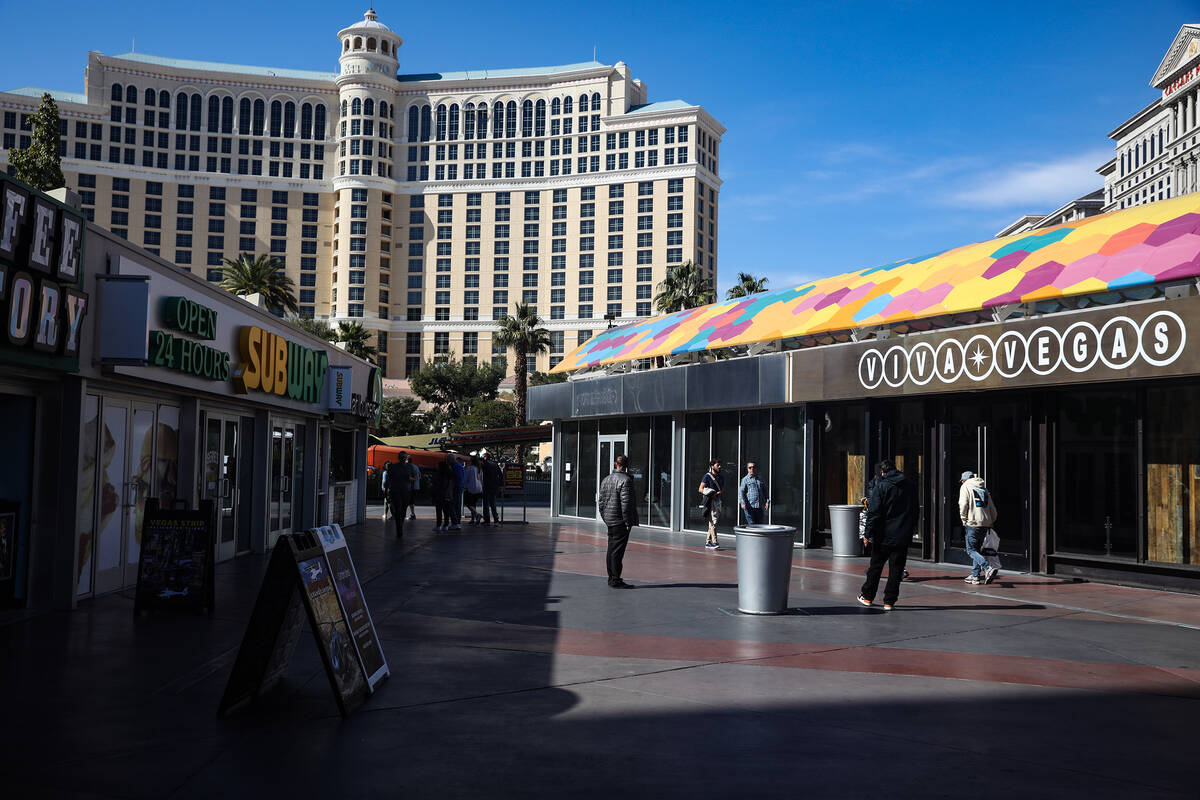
517	672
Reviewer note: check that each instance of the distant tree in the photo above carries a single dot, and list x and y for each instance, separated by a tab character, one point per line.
746	285
39	164
263	275
356	338
546	378
317	327
455	387
399	417
487	414
684	287
522	332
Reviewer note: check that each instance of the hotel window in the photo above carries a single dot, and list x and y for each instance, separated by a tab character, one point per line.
614	309
585	312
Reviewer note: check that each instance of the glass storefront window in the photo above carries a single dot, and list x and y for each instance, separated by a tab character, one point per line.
842	458
787	467
725	446
1172	448
568	470
638	450
588	475
660	472
696	454
1096	473
755	447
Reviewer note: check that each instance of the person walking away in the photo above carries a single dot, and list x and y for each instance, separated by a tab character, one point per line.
414	488
442	485
978	513
383	487
458	474
618	509
473	489
710	487
399	492
892	512
492	478
753	496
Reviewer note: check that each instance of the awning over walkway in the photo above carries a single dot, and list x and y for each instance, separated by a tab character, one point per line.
527	434
1154	243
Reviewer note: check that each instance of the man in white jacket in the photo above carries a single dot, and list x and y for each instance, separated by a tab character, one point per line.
978	512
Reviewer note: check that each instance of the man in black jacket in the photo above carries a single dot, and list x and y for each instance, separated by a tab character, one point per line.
892	512
618	509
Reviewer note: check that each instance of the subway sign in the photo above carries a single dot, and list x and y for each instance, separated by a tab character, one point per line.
41	270
273	365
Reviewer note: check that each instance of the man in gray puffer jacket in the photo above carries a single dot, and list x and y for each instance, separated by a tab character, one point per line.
618	509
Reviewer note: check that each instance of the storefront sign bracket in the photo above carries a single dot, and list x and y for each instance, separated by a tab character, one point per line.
123	322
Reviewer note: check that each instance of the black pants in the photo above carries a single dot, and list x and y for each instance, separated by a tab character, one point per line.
399	502
894	555
618	538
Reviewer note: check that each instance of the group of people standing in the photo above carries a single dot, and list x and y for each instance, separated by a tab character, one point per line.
892	514
455	485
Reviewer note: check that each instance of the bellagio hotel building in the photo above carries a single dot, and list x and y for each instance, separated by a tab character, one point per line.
423	206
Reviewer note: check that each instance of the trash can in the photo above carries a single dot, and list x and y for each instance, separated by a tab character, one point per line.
764	564
843	522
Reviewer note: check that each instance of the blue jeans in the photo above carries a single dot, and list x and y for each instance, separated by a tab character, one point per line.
755	516
974	539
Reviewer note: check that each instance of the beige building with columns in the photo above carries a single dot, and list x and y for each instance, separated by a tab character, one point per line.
423	206
1158	149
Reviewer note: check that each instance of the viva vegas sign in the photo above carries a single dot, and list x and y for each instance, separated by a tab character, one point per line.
1081	347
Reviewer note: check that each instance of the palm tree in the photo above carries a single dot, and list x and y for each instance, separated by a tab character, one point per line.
260	275
356	337
684	287
317	327
746	285
523	332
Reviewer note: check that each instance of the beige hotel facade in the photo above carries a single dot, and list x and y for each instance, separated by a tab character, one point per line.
423	206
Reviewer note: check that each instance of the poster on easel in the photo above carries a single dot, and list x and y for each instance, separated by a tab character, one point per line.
177	559
298	584
354	605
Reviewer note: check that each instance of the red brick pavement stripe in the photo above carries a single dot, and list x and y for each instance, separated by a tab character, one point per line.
1055	673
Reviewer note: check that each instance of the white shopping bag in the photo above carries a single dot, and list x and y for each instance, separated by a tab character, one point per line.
991	547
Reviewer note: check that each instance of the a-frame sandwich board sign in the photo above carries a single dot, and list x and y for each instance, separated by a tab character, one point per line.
354	604
298	583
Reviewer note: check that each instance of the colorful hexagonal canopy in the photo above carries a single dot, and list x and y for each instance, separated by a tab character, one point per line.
1118	250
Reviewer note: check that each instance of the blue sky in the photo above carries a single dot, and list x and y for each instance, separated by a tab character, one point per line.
858	133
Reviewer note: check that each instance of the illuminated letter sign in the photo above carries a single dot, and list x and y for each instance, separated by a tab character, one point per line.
273	365
41	307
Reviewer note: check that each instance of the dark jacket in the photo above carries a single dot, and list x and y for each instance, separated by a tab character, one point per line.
616	500
398	481
893	509
491	477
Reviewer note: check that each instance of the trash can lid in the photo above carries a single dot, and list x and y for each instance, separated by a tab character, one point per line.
788	529
844	505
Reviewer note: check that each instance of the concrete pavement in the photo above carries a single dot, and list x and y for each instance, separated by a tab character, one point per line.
516	672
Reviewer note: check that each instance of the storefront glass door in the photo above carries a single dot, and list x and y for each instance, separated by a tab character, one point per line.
130	453
284	476
222	462
991	439
610	448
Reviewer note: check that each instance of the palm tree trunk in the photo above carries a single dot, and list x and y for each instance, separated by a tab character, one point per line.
522	381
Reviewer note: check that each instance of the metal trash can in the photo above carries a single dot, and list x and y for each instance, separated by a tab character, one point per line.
764	564
843	520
